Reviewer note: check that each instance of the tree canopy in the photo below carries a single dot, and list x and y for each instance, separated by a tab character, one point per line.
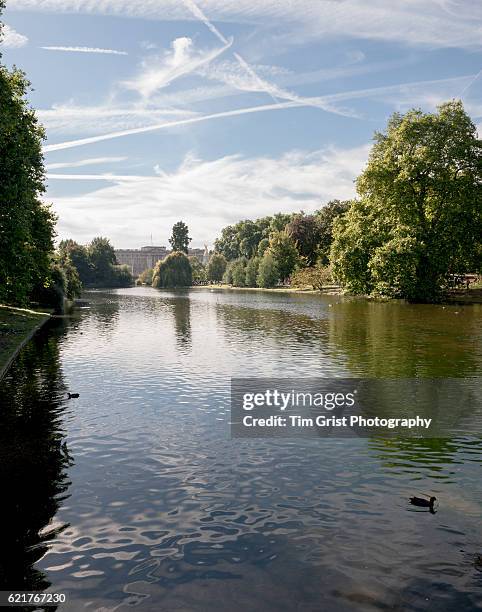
420	210
173	271
179	239
27	225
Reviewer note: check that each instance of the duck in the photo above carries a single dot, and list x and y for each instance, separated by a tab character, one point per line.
72	395
423	503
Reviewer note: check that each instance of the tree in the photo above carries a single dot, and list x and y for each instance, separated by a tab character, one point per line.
180	240
216	267
101	257
252	268
198	270
304	231
26	225
317	277
420	214
268	275
238	273
284	252
78	255
173	271
325	218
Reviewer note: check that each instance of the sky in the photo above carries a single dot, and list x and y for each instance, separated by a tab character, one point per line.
213	111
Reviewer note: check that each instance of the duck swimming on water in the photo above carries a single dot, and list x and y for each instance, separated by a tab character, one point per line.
72	395
423	503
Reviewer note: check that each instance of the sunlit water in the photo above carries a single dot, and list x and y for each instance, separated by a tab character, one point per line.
134	495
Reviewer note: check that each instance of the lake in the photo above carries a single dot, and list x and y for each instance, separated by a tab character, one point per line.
133	496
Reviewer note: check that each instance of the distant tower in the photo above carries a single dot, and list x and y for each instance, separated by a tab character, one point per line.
205	254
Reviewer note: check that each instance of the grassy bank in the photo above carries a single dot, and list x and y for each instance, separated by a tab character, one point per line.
17	325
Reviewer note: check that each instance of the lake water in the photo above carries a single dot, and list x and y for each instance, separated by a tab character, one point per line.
133	496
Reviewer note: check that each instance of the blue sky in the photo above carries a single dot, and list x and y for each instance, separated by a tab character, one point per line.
212	111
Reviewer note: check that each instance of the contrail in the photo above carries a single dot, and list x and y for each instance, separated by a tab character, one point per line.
273	91
348	95
151	128
469	85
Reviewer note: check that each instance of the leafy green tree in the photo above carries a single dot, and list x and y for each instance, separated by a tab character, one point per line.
173	271
78	255
238	272
26	225
101	257
268	275
228	243
216	267
304	231
420	217
252	268
283	249
325	218
279	222
198	270
179	239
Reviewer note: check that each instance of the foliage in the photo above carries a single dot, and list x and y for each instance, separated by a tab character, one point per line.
26	225
179	239
316	277
325	218
145	277
420	212
198	270
102	258
252	268
262	246
62	282
216	267
304	231
96	263
238	273
284	252
268	275
79	256
173	271
244	238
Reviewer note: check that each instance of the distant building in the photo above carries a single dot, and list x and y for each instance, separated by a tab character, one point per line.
141	259
146	257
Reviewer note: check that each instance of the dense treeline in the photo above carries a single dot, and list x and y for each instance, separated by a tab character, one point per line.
417	219
270	250
95	263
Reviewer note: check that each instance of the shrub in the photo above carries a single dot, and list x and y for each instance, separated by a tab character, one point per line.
268	275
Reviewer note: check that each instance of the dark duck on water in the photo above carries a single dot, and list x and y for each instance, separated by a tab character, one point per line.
423	503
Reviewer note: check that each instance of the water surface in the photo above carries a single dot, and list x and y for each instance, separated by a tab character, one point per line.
134	495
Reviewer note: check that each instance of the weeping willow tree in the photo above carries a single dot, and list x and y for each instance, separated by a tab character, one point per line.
173	271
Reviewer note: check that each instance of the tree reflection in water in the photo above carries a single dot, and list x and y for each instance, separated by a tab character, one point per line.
34	460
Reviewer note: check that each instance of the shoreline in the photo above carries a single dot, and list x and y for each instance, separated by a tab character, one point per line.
464	298
17	327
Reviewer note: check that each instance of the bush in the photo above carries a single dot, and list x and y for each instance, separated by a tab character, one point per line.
173	271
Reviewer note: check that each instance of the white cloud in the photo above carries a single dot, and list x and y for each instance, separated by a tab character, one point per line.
86	50
10	39
208	195
181	60
446	23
